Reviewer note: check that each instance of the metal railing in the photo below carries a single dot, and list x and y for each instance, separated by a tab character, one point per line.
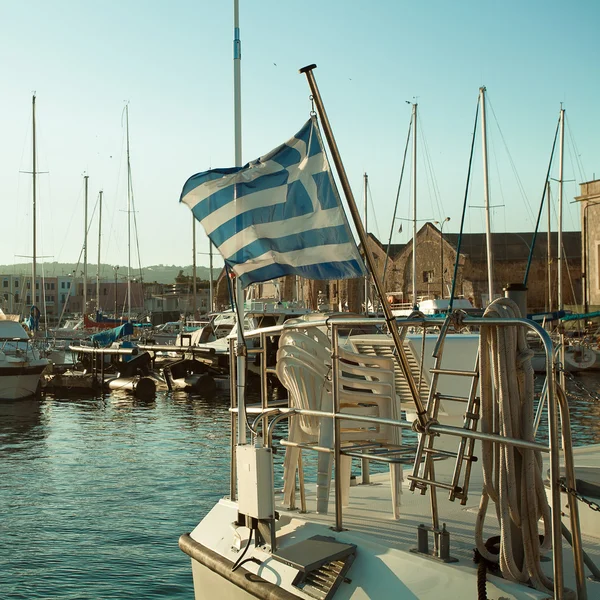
268	416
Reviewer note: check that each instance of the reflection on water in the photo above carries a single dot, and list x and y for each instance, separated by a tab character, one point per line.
95	492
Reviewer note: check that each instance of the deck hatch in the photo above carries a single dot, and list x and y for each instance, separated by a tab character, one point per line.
322	564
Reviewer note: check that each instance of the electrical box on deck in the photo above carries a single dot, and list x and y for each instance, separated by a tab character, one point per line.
255	482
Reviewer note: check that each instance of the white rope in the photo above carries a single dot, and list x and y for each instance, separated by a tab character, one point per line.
507	409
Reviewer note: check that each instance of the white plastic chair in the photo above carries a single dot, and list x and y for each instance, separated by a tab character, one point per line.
366	386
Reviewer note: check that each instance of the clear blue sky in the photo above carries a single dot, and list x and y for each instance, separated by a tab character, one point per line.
173	62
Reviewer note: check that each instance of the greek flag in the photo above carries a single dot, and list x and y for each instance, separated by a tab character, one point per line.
278	215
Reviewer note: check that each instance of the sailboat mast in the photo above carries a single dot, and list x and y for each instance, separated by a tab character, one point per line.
128	215
85	227
486	191
99	241
34	183
366	178
560	210
414	186
549	257
239	291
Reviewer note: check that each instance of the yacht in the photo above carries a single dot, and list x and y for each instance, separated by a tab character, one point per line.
408	531
21	366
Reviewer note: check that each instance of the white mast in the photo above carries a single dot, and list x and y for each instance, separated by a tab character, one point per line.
549	249
414	177
486	191
34	182
194	264
211	303
85	227
237	97
99	242
366	178
128	216
561	305
560	210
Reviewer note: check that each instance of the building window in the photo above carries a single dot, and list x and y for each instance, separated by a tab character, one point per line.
28	299
16	297
16	283
62	285
37	285
63	297
427	276
6	296
51	286
5	283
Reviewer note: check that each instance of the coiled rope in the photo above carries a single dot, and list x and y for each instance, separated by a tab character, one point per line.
507	397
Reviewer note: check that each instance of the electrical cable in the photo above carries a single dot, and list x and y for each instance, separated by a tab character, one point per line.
238	562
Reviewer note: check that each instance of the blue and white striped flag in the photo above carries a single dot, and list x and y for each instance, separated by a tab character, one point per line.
278	215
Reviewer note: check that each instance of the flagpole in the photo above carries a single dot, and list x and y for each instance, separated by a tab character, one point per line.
239	291
389	317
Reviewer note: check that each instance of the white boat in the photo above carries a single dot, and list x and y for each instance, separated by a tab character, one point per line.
20	364
380	542
258	314
395	535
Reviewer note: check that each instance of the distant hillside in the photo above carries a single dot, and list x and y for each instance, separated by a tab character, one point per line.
155	273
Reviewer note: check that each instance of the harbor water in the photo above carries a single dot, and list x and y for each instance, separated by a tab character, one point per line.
95	492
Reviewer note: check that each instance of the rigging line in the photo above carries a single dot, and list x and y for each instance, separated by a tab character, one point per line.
429	164
464	210
512	164
71	282
387	252
578	161
67	237
137	237
539	217
373	211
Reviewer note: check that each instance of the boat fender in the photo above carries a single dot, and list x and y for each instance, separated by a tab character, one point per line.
205	385
145	388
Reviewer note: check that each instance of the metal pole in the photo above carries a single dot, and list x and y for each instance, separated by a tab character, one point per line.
561	304
560	209
442	252
85	227
194	265
549	266
486	191
116	273
34	182
99	242
211	302
414	176
239	301
128	216
366	179
387	311
584	275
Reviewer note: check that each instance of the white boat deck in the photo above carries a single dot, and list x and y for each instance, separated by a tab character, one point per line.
384	561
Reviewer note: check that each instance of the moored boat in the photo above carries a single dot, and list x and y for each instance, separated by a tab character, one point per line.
21	367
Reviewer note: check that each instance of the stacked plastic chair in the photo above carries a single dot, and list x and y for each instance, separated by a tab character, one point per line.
365	386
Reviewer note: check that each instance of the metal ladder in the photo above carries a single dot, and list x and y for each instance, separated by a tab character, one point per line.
423	475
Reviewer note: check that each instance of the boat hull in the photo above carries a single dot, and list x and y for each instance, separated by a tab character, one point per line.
20	382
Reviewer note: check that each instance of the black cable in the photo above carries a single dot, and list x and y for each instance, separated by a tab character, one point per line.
238	562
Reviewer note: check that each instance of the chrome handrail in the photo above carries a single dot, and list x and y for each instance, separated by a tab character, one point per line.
554	399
